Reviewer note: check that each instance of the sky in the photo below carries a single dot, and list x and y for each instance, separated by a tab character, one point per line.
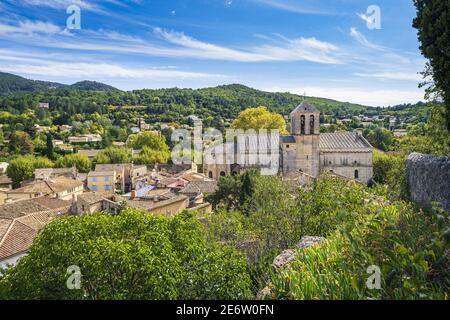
338	49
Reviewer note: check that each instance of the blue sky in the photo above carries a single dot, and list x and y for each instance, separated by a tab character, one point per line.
322	48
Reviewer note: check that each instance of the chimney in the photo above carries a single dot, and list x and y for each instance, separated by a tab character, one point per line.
359	132
133	195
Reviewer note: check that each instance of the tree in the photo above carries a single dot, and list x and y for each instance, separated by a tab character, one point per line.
49	151
259	118
20	143
22	168
80	161
149	156
151	140
132	255
432	23
380	138
113	155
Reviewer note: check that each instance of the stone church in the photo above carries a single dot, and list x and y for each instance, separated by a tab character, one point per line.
307	151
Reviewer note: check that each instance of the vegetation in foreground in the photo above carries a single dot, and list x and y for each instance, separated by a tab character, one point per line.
134	255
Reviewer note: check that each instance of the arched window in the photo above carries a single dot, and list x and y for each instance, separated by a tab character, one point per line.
222	173
356	174
311	124
234	173
302	125
210	174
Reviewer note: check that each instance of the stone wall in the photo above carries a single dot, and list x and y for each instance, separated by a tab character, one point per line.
429	179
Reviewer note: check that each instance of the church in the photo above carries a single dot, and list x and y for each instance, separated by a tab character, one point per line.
307	151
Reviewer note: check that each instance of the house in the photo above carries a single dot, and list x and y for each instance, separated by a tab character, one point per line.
127	174
170	207
51	173
90	153
91	202
5	186
58	142
44	105
85	138
20	223
104	181
197	190
65	128
60	188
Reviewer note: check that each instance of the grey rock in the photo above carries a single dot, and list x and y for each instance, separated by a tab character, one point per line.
429	179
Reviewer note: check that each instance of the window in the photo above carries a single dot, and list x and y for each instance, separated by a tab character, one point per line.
222	173
107	178
311	124
356	174
210	175
287	146
107	187
302	125
94	188
94	179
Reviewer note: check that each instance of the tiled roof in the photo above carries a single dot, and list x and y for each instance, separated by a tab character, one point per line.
18	239
197	187
21	208
48	186
305	107
89	153
343	141
149	205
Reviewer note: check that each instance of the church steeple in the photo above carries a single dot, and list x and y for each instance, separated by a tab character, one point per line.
305	120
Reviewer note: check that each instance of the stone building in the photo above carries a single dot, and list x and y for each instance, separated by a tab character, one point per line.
304	151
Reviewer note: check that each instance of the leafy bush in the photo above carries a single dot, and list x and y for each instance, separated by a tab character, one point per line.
129	256
407	244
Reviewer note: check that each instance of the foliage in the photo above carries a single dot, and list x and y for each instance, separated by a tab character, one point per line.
259	118
406	244
150	156
50	150
379	138
390	169
132	255
20	143
432	21
22	168
80	161
113	155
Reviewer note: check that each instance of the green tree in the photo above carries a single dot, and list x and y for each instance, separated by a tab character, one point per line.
259	118
132	255
80	161
379	138
149	156
20	143
113	155
151	140
50	152
22	168
432	23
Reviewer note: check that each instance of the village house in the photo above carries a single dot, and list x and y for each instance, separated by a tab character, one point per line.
51	173
104	181
89	153
20	223
60	188
85	138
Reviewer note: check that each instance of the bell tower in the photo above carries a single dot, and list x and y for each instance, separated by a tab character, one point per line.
305	127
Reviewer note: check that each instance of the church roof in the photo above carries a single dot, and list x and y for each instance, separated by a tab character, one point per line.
343	141
305	107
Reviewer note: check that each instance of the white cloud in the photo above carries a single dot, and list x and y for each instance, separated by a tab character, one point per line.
364	96
60	4
416	77
30	27
358	36
294	6
95	70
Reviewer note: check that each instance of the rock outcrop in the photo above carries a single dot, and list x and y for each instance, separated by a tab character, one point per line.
287	256
429	179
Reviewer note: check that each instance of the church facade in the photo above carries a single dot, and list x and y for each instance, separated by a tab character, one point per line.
308	151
